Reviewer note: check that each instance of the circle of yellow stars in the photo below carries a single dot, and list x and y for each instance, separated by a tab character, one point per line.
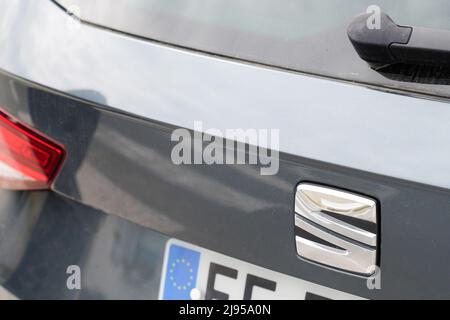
181	286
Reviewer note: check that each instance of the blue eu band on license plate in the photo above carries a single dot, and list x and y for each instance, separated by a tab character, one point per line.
181	272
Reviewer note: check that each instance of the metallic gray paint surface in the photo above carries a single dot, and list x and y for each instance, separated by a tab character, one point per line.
319	119
121	165
117	259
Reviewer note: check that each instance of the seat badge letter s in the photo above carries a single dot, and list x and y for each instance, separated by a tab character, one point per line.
336	228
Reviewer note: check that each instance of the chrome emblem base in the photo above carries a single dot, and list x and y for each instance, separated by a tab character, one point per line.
336	228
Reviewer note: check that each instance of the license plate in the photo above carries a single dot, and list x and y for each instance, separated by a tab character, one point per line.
191	272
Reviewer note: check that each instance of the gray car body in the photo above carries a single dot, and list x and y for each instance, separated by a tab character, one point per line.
113	101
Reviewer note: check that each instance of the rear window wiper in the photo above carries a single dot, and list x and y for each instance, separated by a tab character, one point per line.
390	44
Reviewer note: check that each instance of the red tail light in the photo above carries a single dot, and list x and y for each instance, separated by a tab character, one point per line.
28	159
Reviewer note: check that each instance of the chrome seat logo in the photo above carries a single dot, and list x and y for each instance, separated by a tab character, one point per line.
336	228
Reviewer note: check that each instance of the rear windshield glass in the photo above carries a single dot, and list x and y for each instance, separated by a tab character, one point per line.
304	35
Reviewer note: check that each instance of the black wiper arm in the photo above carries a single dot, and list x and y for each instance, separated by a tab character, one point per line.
392	43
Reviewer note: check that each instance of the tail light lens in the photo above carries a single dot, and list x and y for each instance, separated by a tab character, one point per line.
28	159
